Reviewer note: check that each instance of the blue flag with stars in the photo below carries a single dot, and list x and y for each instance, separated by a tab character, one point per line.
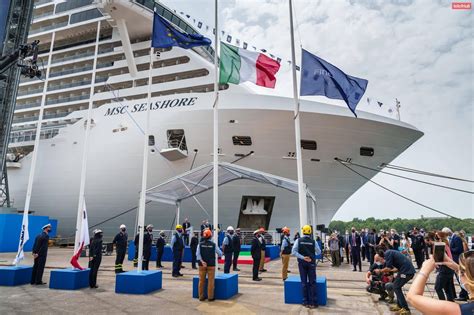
166	35
319	77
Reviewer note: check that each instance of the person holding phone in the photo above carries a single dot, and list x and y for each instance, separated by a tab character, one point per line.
444	284
426	305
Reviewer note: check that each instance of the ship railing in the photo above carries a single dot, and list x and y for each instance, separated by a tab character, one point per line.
67	99
47	28
69	85
27	105
60	73
30	135
40	2
32	91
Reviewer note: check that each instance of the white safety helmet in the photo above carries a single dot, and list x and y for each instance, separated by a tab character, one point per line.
122	226
230	228
97	231
149	226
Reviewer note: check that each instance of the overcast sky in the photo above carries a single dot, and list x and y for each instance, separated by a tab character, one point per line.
420	52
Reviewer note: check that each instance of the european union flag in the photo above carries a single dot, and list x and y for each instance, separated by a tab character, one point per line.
166	35
319	77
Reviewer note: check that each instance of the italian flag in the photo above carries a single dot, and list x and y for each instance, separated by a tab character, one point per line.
238	65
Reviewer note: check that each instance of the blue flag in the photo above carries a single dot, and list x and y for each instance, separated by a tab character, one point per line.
166	35
319	77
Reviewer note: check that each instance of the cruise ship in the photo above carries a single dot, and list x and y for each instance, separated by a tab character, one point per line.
100	50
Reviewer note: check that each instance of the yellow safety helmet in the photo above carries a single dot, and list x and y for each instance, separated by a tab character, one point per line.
306	229
179	226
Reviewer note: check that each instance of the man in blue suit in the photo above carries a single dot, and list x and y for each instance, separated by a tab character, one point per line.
354	243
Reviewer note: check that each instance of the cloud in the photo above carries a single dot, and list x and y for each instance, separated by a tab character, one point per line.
417	51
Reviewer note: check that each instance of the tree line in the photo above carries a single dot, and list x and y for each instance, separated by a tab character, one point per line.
404	225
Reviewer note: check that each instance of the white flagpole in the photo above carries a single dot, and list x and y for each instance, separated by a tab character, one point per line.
142	204
38	132
215	178
85	150
299	162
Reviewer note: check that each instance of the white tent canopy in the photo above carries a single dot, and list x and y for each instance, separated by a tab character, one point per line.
200	179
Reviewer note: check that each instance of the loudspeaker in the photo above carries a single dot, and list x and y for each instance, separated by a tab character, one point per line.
320	227
278	230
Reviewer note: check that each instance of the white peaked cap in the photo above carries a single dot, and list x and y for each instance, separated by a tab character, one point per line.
97	231
230	228
122	226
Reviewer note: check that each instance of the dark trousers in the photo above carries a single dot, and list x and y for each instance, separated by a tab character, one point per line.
38	269
119	260
308	282
255	266
159	256
419	257
228	262
444	284
135	259
235	259
146	260
397	288
177	261
367	252
346	249
355	256
371	255
193	257
94	266
362	252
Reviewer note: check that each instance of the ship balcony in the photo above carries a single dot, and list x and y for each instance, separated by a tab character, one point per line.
72	98
48	25
42	3
30	90
41	12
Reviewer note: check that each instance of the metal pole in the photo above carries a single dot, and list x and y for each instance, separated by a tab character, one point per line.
215	177
299	162
85	150
313	213
141	206
38	131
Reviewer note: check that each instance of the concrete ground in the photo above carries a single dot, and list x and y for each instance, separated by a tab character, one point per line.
346	292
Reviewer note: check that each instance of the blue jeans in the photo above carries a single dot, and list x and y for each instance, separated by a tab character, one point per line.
177	261
308	281
396	286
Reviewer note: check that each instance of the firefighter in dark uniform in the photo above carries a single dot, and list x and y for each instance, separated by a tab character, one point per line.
147	245
256	251
160	248
194	246
120	241
95	258
135	257
206	255
40	252
177	245
236	244
228	249
306	249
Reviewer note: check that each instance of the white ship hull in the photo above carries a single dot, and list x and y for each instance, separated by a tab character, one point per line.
115	158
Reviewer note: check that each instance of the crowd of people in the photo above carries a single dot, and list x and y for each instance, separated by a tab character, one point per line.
392	258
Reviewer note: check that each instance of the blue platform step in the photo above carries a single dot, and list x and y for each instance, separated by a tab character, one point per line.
134	282
69	279
15	275
226	286
293	290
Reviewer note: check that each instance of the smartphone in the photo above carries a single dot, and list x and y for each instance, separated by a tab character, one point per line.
439	252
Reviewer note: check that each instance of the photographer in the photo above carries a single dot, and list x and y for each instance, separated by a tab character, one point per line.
385	240
376	281
427	305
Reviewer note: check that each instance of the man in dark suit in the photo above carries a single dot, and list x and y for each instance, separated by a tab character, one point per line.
256	251
236	245
347	247
194	246
457	248
186	226
40	252
355	241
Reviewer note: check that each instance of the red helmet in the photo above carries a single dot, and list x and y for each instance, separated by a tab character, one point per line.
207	233
285	230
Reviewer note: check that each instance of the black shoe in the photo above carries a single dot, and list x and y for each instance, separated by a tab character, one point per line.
460	299
211	300
288	271
263	270
194	267
41	283
94	287
354	270
175	276
236	269
180	275
182	266
257	279
203	299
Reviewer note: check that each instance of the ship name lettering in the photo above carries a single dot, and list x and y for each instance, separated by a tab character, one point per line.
141	107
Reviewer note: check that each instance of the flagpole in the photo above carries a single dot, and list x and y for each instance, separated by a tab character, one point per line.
215	177
142	204
299	162
85	150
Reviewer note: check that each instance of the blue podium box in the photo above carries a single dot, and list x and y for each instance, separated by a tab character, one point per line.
272	251
134	282
293	290
226	285
15	275
69	279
